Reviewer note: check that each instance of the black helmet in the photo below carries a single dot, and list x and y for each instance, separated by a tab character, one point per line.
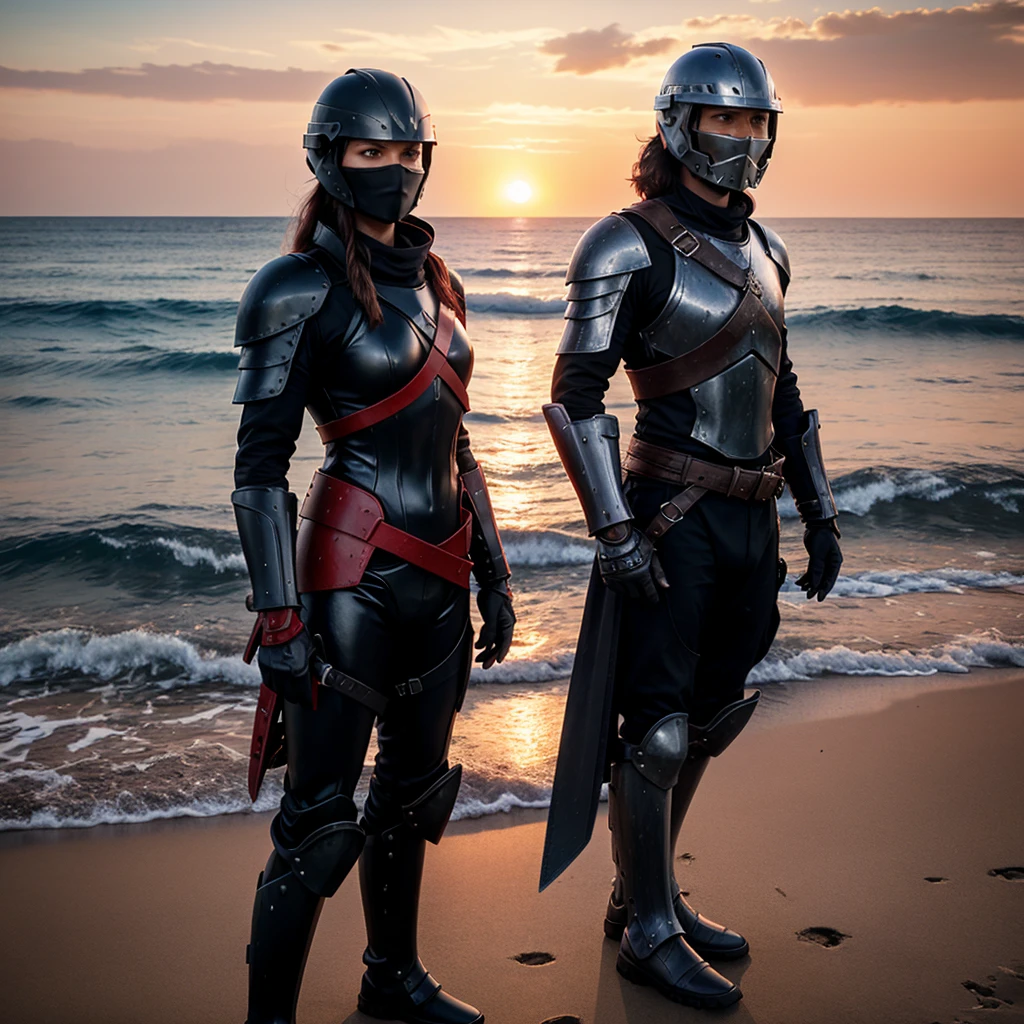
364	104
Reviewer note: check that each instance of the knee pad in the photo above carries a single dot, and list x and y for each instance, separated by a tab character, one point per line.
321	842
660	755
727	724
426	815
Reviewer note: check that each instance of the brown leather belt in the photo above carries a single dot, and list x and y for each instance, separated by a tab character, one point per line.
697	477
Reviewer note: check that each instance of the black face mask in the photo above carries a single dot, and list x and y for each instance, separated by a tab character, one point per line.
387	193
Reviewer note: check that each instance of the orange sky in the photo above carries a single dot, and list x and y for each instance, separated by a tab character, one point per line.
182	108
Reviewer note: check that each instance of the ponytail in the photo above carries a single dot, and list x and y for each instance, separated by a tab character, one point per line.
440	282
321	207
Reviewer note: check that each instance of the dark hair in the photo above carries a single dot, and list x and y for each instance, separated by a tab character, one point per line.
656	171
320	206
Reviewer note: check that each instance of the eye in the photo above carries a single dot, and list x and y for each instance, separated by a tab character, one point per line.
370	151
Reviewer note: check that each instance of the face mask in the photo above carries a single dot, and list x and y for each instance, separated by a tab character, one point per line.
387	193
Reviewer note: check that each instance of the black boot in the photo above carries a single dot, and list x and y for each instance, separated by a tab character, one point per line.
707	937
315	846
396	985
652	950
284	917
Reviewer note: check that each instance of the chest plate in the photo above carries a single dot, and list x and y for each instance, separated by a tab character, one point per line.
408	459
734	403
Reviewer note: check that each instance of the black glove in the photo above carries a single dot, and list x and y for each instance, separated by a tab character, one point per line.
495	603
285	668
630	566
821	538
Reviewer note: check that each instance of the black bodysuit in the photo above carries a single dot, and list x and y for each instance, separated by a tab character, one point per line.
400	622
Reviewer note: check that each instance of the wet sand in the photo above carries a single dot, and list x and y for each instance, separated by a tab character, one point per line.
883	828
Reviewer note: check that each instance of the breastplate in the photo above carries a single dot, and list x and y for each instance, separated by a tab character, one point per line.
734	406
408	460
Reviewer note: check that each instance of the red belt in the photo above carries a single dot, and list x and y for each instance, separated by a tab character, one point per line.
340	525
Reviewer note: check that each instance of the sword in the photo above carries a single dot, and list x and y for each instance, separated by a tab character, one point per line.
582	749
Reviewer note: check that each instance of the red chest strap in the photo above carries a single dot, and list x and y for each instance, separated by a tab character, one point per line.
436	365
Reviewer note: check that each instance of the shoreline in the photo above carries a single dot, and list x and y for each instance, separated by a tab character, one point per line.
836	823
821	698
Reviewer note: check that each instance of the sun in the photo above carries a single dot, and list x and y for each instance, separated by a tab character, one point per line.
519	192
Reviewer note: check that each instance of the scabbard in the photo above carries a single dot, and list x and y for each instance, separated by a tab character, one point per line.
583	748
267	749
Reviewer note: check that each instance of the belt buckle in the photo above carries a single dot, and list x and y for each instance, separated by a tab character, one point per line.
671	519
685	242
779	487
409	688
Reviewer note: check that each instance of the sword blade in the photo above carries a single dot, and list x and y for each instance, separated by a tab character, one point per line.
579	771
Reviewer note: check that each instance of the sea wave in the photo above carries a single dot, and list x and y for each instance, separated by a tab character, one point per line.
527	272
131	554
136	658
139	553
511	304
107	313
894	582
206	781
905	320
981	494
976	651
163	775
143	360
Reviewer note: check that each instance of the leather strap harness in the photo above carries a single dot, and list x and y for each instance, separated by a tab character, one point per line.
718	353
341	524
436	365
699	477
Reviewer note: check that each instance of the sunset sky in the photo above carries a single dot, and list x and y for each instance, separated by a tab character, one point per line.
199	108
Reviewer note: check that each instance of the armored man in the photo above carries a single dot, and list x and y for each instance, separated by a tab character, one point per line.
687	291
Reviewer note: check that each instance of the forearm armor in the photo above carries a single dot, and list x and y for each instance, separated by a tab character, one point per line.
266	527
806	476
589	450
486	550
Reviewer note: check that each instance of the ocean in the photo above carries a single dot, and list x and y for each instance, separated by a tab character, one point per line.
123	697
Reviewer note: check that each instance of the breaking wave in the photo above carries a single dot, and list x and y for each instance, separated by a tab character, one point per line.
905	320
511	304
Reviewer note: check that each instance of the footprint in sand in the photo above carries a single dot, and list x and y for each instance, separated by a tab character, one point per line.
533	959
565	1018
1003	989
1015	874
935	878
827	937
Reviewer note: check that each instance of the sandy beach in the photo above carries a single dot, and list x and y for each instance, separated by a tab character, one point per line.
889	831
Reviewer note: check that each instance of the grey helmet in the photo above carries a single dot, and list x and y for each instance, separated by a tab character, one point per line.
364	103
717	75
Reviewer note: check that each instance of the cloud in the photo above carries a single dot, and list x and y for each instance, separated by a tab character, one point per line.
192	83
845	58
422	46
152	45
594	50
950	55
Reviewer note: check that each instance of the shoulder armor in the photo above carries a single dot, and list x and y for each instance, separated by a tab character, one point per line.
276	303
599	271
775	249
610	247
